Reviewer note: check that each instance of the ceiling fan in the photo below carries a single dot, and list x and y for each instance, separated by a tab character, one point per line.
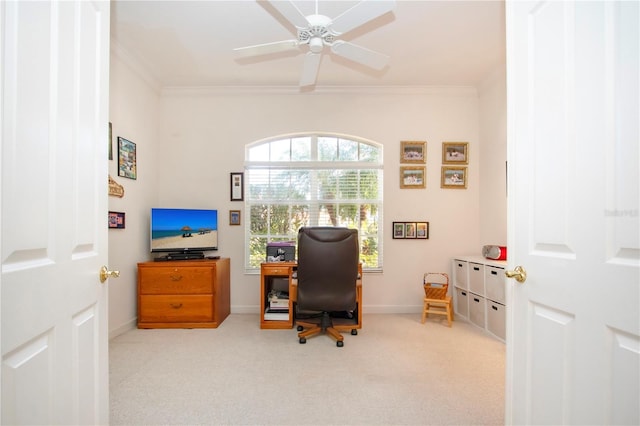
318	31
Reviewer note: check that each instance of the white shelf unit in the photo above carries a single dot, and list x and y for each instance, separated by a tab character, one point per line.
479	292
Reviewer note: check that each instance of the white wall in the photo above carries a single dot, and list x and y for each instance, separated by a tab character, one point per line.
133	112
202	139
493	158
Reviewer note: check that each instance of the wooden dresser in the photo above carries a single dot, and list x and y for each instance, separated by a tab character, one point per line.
183	294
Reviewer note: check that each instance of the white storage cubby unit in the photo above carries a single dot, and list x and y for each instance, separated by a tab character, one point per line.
479	292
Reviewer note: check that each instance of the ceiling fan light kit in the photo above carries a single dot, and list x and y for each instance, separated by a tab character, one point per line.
318	31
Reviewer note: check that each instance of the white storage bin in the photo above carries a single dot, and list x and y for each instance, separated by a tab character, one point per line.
460	271
476	309
494	283
476	278
461	302
496	319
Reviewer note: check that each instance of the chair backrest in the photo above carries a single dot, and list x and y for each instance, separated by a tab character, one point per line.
327	268
436	285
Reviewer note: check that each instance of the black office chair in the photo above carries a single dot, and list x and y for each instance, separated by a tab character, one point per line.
326	281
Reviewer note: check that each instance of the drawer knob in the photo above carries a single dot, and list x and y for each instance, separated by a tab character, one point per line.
518	273
176	305
175	277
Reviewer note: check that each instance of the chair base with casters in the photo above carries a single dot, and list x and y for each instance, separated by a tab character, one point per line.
325	326
436	300
333	326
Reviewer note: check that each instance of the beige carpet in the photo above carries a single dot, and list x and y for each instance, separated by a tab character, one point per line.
396	371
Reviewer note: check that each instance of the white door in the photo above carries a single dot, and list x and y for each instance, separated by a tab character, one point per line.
54	129
573	341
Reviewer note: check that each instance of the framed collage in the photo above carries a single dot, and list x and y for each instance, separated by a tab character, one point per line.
410	230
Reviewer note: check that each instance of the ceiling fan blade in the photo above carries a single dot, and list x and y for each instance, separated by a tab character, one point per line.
360	54
361	13
291	12
266	48
310	69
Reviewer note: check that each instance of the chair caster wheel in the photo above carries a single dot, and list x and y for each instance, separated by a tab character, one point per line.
339	343
354	332
303	340
300	328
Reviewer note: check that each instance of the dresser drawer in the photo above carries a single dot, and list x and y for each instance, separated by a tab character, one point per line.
176	280
175	308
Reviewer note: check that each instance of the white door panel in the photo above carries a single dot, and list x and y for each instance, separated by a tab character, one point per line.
55	62
573	335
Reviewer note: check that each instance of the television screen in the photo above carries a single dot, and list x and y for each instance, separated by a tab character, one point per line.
183	230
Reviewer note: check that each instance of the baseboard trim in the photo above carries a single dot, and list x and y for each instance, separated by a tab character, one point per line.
369	309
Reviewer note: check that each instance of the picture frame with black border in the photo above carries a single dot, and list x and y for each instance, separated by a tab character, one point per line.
422	230
116	220
237	186
410	230
398	230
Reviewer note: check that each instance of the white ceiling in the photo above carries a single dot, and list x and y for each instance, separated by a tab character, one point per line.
190	43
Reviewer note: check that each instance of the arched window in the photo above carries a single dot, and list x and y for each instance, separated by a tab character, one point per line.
313	180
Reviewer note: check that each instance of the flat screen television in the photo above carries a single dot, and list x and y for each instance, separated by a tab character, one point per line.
183	230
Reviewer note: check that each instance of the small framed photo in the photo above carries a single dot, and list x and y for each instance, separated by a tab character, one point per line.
127	163
413	152
454	177
410	229
237	186
422	230
412	177
234	217
398	230
116	220
455	152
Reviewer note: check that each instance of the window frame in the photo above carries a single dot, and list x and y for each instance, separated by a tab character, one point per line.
314	164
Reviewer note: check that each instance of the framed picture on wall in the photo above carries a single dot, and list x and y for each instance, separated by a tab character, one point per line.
454	177
412	177
455	152
410	230
413	152
234	217
398	230
127	163
422	230
116	220
237	186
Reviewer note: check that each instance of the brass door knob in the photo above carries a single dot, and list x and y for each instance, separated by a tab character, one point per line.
106	273
518	273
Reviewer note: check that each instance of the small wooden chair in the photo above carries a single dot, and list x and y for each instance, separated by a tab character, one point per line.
436	300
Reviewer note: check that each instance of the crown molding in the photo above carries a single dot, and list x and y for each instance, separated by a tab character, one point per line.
136	65
458	91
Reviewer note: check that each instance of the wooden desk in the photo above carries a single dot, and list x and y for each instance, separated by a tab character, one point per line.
273	275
